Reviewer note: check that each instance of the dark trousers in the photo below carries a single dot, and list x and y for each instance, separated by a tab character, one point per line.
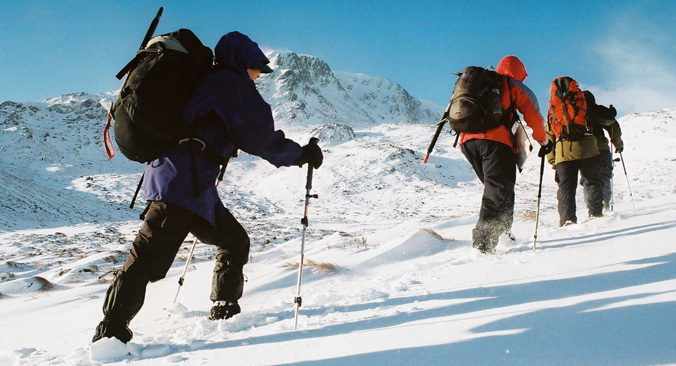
495	166
606	164
593	179
164	230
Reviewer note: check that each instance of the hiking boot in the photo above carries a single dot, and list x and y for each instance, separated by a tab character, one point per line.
224	310
484	248
596	213
568	223
510	236
488	249
108	329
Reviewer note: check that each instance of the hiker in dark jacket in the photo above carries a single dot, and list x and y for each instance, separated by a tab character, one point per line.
181	192
491	154
602	120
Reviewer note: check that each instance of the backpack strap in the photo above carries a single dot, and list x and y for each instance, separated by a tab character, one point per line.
510	112
193	143
138	188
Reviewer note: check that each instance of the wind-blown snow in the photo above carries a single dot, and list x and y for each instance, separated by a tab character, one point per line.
390	277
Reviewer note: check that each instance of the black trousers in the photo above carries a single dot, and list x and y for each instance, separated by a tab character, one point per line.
606	166
593	178
164	230
495	166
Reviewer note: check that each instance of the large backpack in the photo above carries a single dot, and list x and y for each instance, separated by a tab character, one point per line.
567	116
149	108
475	105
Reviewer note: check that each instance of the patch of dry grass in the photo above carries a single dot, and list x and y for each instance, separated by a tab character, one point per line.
320	266
434	234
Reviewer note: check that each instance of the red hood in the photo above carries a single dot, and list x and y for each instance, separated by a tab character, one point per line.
513	67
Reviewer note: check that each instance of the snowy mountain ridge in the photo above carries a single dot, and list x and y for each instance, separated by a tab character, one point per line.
304	88
390	278
63	134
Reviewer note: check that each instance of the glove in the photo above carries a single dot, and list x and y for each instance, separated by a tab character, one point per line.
546	149
310	153
619	149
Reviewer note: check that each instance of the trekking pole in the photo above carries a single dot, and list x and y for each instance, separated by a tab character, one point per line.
308	186
440	126
628	185
537	212
107	142
185	269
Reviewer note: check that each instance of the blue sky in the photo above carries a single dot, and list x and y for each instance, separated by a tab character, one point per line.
622	50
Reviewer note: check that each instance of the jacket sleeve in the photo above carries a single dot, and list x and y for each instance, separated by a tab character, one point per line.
527	105
248	119
615	134
603	111
551	157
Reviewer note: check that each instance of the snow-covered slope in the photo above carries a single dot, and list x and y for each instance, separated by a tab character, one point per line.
390	277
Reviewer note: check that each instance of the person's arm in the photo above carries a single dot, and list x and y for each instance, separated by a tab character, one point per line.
527	105
250	126
615	134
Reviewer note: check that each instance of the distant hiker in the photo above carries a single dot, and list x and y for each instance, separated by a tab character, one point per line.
575	150
182	198
491	154
602	118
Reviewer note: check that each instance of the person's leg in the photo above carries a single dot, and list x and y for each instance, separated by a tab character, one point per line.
593	174
233	253
495	162
165	226
566	177
473	153
123	301
497	204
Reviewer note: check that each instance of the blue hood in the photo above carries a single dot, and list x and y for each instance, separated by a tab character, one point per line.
237	52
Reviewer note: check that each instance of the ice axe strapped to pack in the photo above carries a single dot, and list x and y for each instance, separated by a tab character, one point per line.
440	127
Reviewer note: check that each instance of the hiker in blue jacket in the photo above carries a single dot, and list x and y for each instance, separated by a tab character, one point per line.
180	187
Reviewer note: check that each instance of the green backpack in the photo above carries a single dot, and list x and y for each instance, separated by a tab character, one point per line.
475	105
149	108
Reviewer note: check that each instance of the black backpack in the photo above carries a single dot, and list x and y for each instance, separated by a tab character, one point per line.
475	105
149	108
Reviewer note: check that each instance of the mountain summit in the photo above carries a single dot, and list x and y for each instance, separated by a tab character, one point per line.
304	89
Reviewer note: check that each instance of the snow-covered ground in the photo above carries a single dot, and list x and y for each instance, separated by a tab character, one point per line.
393	278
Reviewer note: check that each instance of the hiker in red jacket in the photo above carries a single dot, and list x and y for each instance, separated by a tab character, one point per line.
491	154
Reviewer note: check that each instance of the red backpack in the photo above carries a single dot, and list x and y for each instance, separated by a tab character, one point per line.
567	116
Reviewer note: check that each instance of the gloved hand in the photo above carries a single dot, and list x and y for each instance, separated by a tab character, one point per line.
546	149
310	153
619	149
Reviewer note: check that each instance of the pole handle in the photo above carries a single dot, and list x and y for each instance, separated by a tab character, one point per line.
308	181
